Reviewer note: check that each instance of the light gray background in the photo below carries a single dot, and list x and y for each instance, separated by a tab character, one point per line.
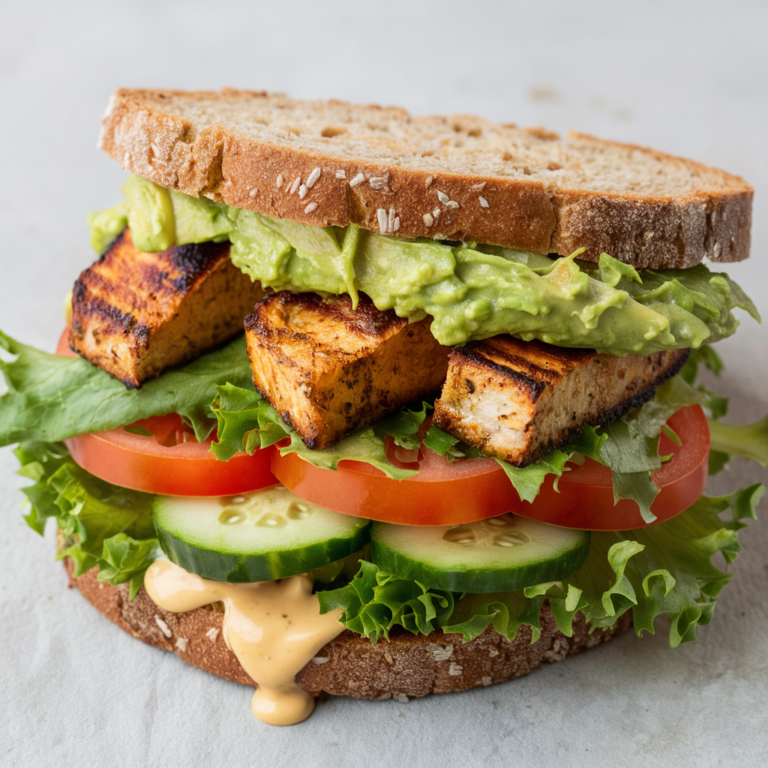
689	78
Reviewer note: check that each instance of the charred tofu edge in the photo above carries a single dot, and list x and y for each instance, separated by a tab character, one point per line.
537	397
330	370
136	315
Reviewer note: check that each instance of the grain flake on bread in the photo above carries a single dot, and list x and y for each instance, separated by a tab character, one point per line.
456	178
407	666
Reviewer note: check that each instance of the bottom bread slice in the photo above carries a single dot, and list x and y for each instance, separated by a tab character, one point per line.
407	666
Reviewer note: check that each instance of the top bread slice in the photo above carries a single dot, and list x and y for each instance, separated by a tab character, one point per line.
448	178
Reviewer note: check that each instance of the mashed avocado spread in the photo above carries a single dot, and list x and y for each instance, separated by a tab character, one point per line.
471	291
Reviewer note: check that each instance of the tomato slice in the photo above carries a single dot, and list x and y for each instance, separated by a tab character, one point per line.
441	494
168	461
585	500
62	348
463	491
159	455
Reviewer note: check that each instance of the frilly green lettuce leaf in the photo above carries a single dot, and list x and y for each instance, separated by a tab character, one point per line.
639	487
39	461
403	426
448	445
632	457
246	421
664	570
671	570
505	611
590	443
102	524
375	601
95	510
237	412
717	461
527	481
627	450
124	559
705	355
51	398
631	447
750	441
717	405
362	446
670	397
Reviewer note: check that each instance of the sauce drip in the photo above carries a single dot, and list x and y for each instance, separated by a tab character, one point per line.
274	628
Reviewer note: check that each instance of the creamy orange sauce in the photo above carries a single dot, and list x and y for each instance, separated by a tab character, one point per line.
274	628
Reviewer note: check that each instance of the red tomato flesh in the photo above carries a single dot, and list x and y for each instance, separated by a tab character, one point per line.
443	493
585	500
169	461
463	491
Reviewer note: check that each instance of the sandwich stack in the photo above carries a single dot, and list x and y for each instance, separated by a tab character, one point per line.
358	403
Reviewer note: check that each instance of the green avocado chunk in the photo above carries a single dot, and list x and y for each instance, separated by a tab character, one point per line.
198	220
150	215
470	291
106	225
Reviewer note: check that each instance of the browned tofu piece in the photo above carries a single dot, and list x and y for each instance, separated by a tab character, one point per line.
331	370
137	314
518	400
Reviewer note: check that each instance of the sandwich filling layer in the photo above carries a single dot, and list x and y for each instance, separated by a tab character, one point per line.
469	291
562	371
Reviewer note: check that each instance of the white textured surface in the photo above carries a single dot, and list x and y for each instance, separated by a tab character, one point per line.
689	78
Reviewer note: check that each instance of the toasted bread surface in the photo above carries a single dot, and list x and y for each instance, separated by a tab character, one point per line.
137	314
518	400
407	666
330	370
458	178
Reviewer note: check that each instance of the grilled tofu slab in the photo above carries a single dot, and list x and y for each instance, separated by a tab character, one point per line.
330	370
518	400
137	314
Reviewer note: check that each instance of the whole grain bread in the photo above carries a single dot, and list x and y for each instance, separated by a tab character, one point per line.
449	178
407	666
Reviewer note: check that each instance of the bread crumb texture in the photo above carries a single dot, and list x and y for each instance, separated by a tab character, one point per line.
408	666
457	178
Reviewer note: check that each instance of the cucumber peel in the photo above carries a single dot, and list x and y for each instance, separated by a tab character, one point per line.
260	536
495	555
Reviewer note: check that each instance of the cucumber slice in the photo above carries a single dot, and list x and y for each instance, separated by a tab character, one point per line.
495	555
260	536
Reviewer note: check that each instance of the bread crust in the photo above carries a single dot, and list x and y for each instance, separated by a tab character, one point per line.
170	137
408	666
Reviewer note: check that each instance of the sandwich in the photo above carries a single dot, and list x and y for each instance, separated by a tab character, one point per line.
357	403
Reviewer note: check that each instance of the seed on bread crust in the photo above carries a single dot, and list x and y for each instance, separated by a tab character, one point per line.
547	195
404	667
